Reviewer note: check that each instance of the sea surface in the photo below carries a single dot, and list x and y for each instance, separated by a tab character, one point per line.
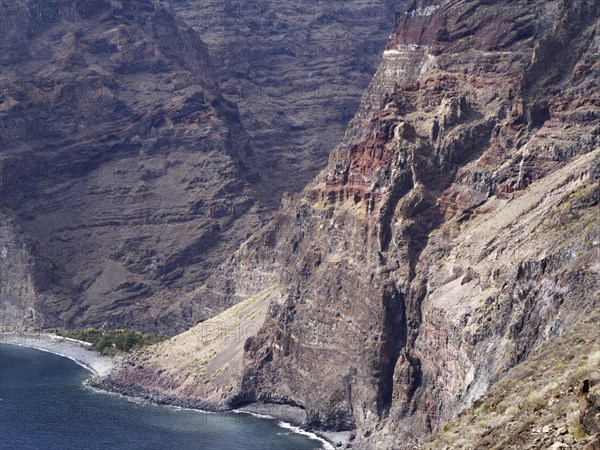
44	404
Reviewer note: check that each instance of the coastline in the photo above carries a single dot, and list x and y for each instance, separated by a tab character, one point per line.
96	363
286	416
101	366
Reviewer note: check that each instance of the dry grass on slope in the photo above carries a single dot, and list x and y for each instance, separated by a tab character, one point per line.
542	403
205	362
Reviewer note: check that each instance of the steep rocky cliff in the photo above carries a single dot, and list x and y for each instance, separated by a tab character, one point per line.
296	69
128	176
454	230
551	400
122	166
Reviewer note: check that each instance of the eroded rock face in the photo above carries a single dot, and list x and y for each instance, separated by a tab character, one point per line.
128	172
454	229
296	69
122	167
16	265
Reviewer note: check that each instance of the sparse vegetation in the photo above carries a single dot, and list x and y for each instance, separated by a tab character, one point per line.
575	428
483	408
111	342
541	392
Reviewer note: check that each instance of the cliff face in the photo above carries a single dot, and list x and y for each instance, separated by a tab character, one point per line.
122	183
296	70
127	176
453	232
454	229
550	400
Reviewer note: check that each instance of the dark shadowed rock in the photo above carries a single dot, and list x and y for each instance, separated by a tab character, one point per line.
296	69
123	180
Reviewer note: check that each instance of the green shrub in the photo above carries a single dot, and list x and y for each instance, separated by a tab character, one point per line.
110	342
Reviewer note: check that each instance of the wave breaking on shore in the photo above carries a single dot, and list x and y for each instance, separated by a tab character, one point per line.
96	363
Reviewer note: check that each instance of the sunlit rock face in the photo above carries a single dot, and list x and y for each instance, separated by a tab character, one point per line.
454	229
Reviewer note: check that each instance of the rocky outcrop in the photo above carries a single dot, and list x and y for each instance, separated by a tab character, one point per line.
454	229
16	265
123	180
549	401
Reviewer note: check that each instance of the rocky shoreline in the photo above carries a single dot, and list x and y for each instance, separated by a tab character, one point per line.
100	365
290	416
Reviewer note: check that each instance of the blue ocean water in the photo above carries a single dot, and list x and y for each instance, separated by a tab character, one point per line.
45	405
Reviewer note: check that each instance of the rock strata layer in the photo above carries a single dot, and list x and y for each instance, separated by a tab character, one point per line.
127	174
297	70
454	230
121	163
